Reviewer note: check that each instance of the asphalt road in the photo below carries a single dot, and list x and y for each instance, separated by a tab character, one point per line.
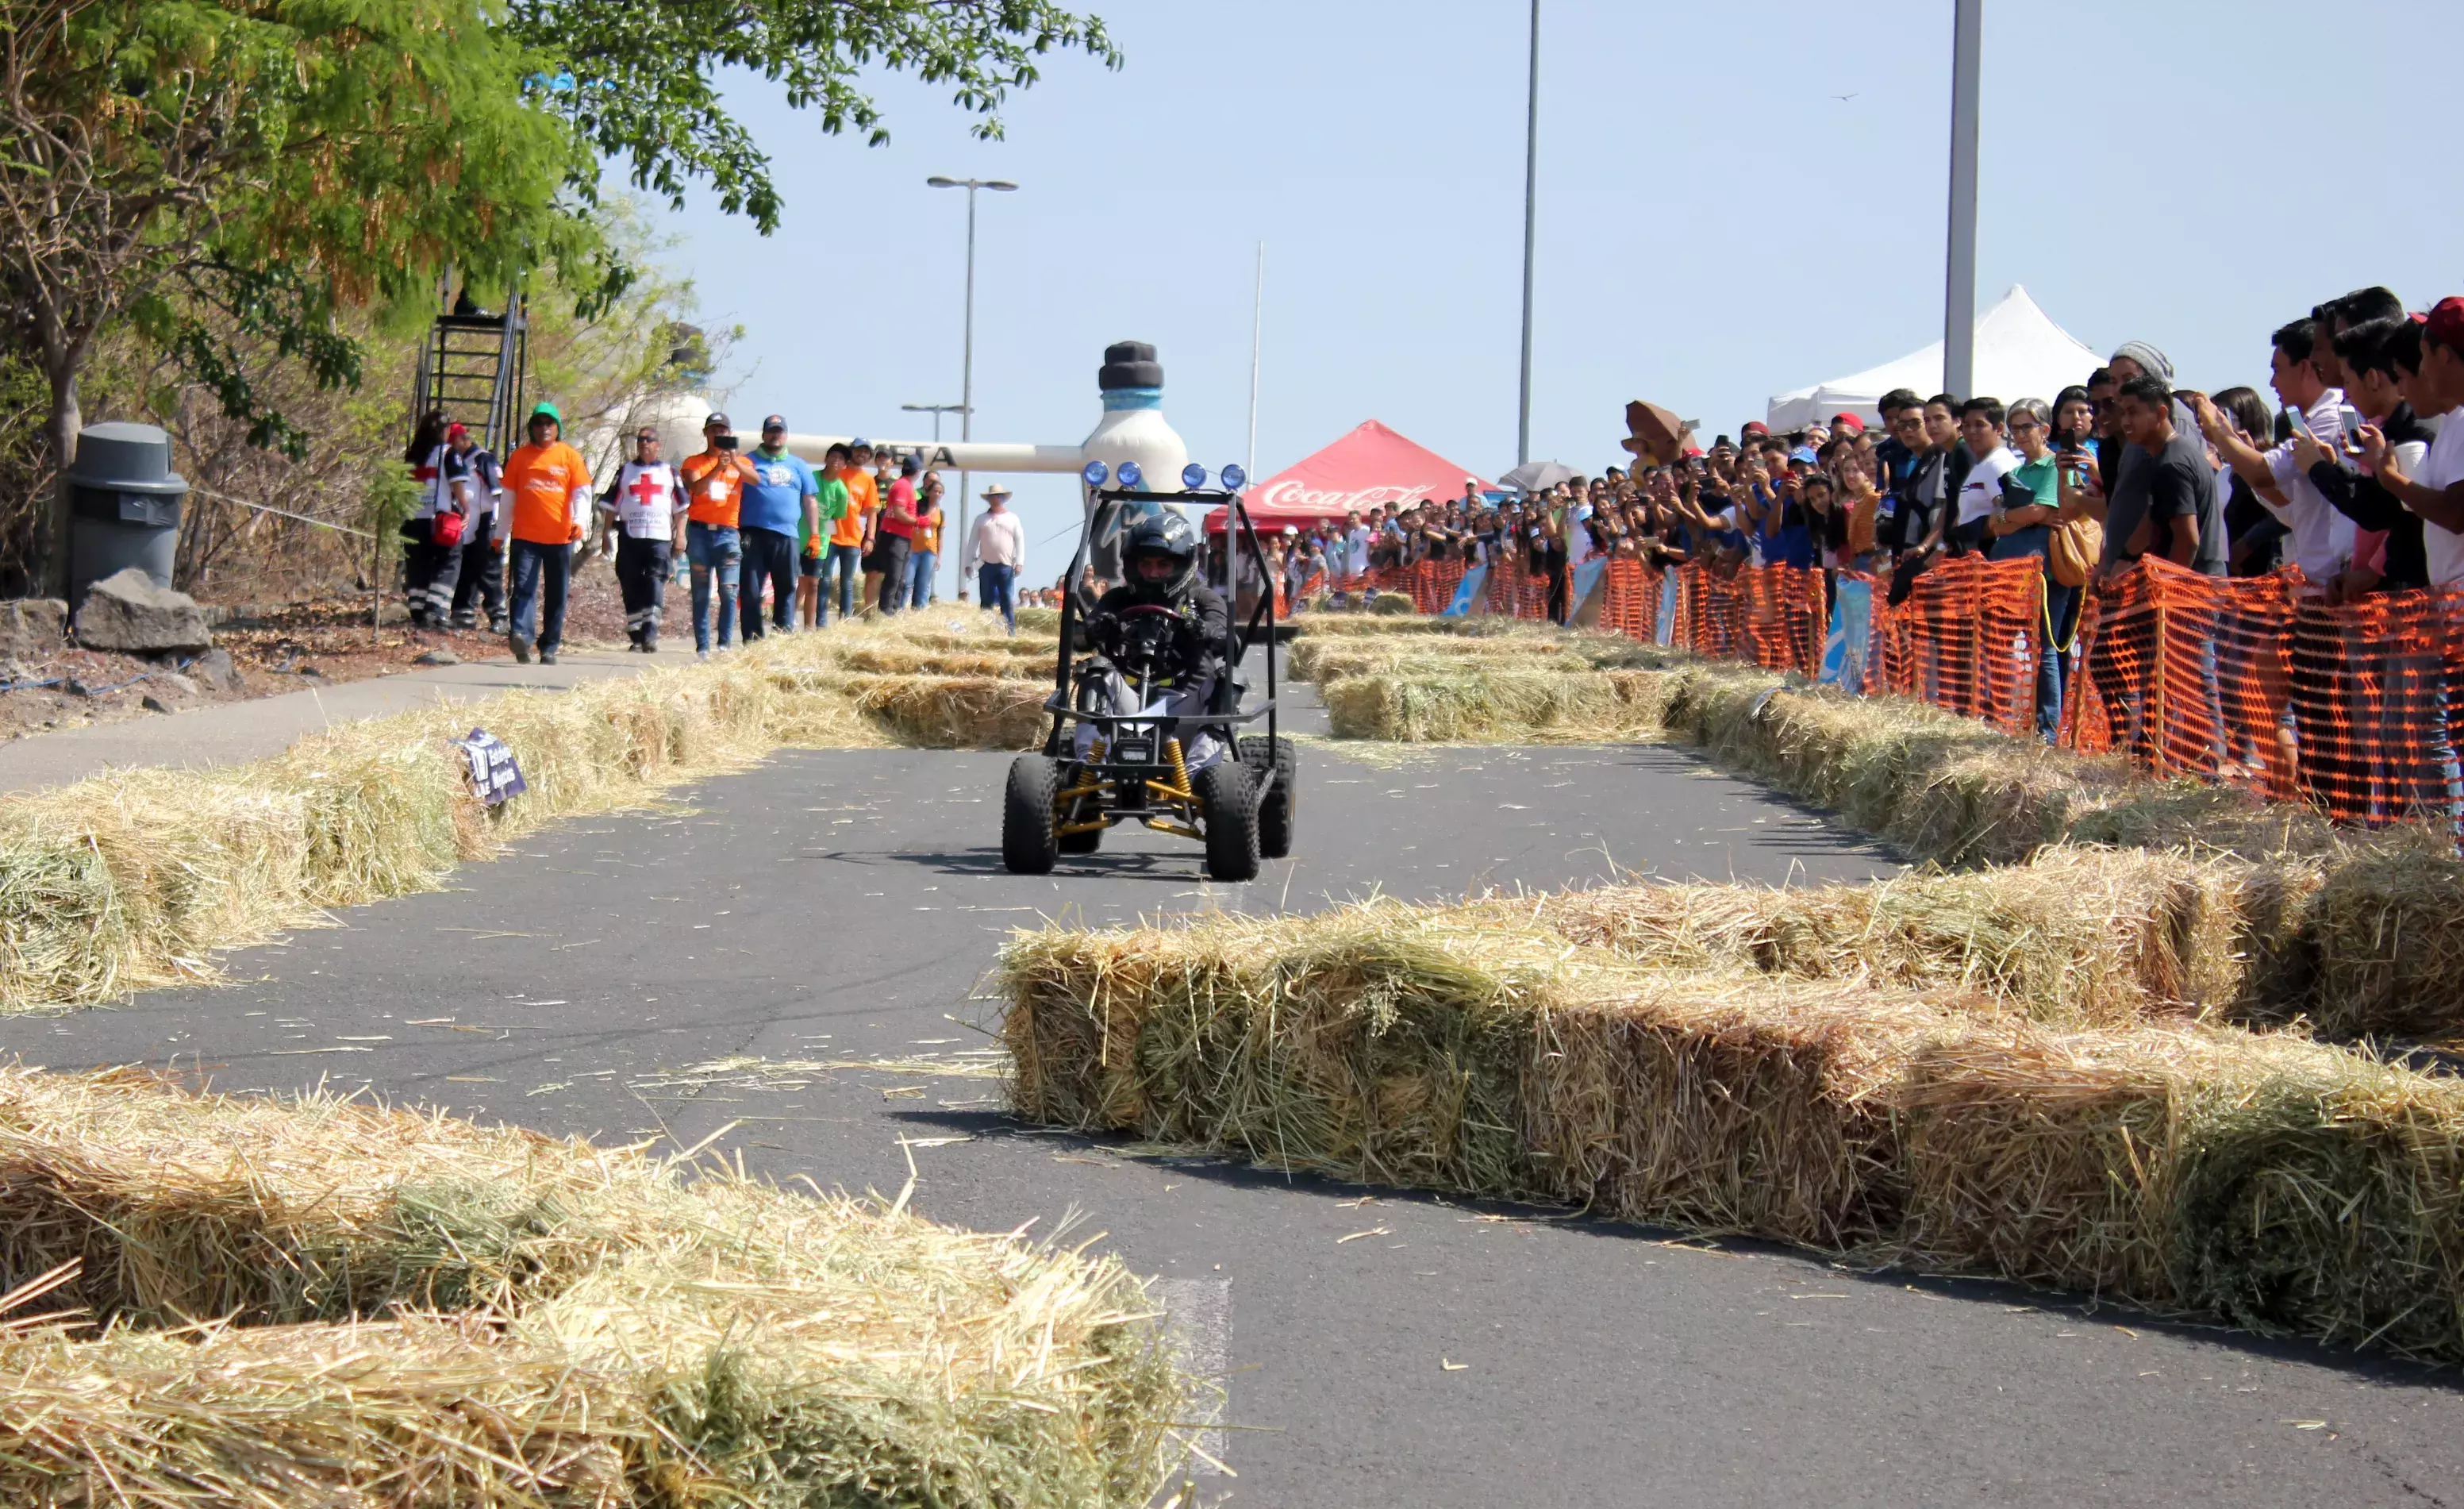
686	970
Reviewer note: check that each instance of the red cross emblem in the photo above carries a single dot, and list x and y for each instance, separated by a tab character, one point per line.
647	489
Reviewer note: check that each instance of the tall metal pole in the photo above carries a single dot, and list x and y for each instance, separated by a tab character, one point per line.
966	395
1530	209
1958	290
1257	339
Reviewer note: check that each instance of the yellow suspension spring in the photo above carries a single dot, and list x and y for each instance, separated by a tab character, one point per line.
1179	771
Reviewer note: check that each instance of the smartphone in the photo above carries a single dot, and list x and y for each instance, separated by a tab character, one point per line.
2348	422
725	442
2299	421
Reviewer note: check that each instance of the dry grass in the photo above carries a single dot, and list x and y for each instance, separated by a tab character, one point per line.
1498	706
2075	937
326	1302
138	878
2280	1183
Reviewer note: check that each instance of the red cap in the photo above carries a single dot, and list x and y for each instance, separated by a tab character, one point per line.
1756	427
2445	323
1692	450
456	431
1849	423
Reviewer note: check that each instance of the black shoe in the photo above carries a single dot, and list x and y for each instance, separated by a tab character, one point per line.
547	657
633	637
520	647
650	641
499	624
466	622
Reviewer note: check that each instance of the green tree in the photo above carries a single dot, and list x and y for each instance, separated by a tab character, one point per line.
226	172
639	77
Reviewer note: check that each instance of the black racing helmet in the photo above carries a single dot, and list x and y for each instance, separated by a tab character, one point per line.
1164	533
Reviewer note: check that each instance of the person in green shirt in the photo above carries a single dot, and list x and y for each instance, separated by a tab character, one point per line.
813	536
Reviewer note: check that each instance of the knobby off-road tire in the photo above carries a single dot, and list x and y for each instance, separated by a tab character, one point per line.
1280	803
1229	802
1028	846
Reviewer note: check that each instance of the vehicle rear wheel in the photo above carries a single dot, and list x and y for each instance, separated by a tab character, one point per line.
1228	801
1280	802
1028	846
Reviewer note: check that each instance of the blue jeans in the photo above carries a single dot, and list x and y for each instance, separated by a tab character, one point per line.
714	550
920	566
997	586
847	561
540	575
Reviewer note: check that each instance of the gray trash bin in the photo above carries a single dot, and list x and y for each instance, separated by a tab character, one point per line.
125	500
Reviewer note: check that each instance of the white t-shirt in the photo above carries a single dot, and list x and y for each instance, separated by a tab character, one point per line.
2443	468
1355	550
1982	487
2317	535
647	499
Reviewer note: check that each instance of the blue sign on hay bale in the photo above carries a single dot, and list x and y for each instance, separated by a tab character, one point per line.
494	774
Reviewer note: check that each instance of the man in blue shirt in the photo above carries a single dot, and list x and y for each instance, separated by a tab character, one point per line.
782	491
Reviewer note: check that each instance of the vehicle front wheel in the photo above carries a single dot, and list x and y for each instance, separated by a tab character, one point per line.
1280	803
1028	845
1228	802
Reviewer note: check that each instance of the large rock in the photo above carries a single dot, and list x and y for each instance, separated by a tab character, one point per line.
31	627
127	612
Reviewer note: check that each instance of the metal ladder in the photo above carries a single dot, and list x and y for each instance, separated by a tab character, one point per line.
473	367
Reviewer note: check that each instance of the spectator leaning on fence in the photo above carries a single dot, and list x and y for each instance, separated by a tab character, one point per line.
2435	487
2026	510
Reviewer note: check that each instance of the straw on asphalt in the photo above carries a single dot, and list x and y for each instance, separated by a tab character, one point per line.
2283	1184
319	1302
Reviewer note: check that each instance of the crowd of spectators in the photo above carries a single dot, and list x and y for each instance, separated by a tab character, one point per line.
2343	478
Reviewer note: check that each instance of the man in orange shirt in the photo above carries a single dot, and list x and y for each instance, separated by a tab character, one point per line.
550	488
715	482
846	535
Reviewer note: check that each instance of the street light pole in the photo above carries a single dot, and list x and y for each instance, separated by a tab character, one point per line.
1530	209
967	361
1959	282
936	410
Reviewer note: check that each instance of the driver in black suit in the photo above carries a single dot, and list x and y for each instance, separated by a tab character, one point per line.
1161	562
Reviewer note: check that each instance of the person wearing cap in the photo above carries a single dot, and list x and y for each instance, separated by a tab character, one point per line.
847	534
715	482
781	493
471	472
996	548
643	506
551	489
813	539
893	537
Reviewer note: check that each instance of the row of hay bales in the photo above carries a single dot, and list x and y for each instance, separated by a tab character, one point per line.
2264	1177
138	878
2355	934
319	1301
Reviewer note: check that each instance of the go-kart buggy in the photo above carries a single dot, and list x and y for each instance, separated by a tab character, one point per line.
1136	735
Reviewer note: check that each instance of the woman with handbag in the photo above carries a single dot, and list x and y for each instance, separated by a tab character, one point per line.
2029	518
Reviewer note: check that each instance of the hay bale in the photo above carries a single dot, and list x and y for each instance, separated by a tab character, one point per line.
414	1309
2283	1184
2385	934
1493	706
956	712
2077	935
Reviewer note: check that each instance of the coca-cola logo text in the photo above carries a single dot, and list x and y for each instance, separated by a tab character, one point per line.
1293	492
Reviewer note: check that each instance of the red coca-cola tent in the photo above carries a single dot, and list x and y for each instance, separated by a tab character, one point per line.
1371	466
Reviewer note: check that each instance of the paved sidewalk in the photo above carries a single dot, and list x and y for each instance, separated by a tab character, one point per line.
225	732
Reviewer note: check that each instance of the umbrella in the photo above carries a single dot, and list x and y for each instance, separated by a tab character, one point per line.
1653	434
1538	477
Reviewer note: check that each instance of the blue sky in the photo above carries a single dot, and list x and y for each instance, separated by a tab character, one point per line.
1715	226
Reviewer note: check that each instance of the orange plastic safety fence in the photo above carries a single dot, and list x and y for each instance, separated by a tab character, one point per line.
1630	600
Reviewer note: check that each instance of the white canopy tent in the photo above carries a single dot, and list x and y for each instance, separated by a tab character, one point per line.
2020	353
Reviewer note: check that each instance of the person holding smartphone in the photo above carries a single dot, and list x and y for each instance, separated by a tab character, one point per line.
715	482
